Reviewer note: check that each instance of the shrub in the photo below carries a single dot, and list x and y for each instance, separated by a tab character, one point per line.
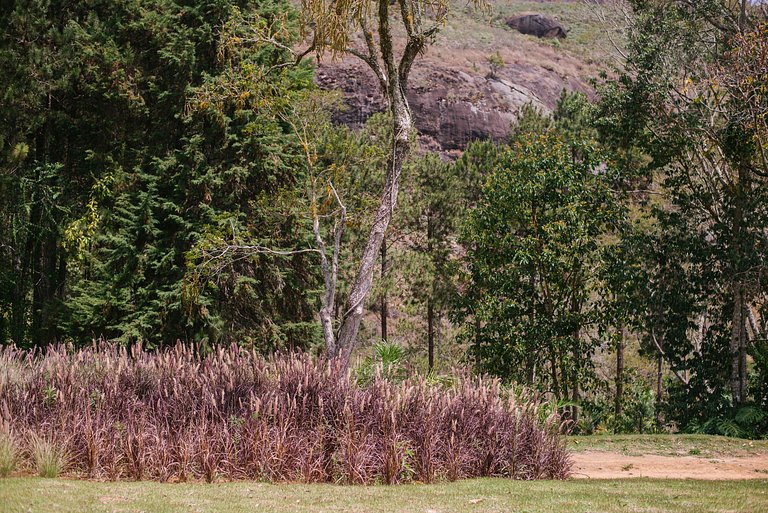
7	453
50	458
233	414
387	360
495	63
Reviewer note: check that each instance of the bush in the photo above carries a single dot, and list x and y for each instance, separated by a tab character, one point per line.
638	408
748	421
387	360
50	458
178	415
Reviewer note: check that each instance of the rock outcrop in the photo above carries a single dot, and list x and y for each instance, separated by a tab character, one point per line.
538	25
451	106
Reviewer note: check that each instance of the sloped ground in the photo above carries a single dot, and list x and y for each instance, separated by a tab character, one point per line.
454	96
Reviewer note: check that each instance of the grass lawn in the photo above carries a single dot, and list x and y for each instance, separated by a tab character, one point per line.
37	495
21	495
669	445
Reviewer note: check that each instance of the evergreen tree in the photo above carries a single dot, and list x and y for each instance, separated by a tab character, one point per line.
111	178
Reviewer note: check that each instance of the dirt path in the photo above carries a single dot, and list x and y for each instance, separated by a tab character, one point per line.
614	465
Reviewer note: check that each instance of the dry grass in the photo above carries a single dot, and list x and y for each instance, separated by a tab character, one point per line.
50	457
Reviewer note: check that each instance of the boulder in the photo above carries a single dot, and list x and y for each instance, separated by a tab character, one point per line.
454	102
450	107
538	25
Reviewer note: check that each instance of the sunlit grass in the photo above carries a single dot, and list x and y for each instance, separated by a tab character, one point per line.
49	457
479	495
7	453
669	445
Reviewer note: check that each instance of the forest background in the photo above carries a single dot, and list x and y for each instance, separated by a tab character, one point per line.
163	180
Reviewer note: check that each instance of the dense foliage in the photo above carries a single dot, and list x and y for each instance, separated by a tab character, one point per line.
693	266
535	241
109	179
169	172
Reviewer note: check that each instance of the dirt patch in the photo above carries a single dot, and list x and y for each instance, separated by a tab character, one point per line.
614	465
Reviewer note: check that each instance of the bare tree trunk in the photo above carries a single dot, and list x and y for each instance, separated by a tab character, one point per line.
575	397
430	301
384	305
620	372
757	331
738	347
392	75
659	388
555	381
430	334
362	285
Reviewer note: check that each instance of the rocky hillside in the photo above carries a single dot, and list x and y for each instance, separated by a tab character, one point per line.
454	93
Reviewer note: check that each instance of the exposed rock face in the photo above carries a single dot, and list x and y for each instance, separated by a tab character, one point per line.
538	25
451	106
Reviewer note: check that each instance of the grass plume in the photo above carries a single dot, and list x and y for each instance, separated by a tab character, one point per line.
175	414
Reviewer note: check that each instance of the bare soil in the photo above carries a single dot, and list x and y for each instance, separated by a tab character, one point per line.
614	465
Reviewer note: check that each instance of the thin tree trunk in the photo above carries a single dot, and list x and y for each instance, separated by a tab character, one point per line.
575	397
659	389
384	305
738	323
618	407
430	334
363	281
738	347
430	301
743	356
394	84
555	381
563	374
476	322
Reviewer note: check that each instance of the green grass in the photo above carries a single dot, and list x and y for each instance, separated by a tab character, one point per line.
669	445
484	495
50	458
7	454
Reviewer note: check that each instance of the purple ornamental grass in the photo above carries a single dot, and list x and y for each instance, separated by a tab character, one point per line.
176	415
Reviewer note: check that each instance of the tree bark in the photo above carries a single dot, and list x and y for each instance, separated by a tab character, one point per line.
384	305
620	372
659	389
430	300
430	334
402	125
363	281
738	347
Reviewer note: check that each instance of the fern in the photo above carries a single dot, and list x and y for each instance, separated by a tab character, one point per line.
750	416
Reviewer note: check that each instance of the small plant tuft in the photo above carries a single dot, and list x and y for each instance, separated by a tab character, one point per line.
49	457
495	63
7	454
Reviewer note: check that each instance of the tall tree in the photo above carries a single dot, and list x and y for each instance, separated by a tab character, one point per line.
679	101
534	246
362	28
111	180
428	224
